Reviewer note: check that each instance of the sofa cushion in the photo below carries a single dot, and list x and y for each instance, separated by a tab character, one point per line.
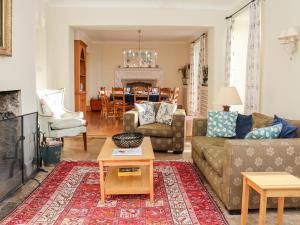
271	132
288	130
260	120
296	123
221	124
59	124
155	130
243	126
214	155
199	143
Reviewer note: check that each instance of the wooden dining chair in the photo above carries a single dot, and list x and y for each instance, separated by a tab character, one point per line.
165	94
119	104
107	109
103	91
140	94
175	95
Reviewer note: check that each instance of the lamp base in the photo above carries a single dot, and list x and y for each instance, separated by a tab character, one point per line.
226	108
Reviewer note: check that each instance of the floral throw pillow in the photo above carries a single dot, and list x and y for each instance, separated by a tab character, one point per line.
165	113
221	124
146	113
271	132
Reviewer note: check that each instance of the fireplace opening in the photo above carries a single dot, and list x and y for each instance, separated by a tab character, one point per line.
19	155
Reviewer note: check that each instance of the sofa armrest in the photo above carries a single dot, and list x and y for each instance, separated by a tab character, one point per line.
178	127
256	156
199	126
130	121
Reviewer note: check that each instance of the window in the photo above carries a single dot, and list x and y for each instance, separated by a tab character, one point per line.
239	56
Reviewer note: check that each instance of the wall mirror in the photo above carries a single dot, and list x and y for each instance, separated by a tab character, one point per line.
6	27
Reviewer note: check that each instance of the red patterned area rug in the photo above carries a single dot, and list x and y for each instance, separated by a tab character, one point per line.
70	195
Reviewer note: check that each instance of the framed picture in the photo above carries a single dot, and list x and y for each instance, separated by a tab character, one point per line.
139	58
6	27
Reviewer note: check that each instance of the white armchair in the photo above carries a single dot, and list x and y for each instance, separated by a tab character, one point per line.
55	121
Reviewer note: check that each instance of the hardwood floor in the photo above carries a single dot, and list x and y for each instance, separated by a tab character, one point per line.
99	126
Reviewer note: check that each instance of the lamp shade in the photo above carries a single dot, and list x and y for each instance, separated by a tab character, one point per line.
228	96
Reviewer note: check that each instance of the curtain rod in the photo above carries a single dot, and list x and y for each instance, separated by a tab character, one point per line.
236	12
204	34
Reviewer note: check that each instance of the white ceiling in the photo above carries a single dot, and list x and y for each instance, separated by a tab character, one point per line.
148	34
200	4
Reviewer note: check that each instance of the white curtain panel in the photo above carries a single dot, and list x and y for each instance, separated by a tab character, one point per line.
228	53
253	59
198	59
190	82
202	63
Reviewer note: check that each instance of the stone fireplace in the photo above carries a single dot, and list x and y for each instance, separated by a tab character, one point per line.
10	103
18	143
152	76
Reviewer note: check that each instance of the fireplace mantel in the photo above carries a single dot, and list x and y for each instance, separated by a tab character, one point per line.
140	74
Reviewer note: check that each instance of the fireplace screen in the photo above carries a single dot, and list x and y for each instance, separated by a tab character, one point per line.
18	151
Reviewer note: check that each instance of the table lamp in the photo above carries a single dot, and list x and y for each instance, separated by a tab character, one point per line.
228	96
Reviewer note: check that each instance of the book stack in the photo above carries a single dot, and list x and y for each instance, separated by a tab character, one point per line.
129	171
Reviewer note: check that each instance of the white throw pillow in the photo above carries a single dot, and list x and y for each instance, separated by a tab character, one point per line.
146	112
165	113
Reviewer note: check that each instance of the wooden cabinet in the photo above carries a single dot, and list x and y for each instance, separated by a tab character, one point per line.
80	75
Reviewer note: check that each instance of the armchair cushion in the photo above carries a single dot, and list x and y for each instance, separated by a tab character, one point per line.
156	130
146	113
165	113
51	103
59	124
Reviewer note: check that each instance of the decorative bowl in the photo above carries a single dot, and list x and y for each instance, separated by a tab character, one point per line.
128	140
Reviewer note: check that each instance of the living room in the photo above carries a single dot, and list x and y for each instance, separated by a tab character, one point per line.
42	57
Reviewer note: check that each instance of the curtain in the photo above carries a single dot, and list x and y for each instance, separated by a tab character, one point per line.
191	81
228	53
202	63
253	59
198	59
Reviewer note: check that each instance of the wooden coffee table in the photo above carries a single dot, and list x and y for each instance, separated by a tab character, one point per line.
112	184
269	184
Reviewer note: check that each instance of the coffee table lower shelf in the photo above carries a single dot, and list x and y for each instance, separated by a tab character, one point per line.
115	185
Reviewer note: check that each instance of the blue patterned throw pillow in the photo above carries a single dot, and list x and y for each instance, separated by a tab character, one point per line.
221	124
265	132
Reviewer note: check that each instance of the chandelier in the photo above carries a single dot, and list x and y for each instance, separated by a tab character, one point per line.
140	57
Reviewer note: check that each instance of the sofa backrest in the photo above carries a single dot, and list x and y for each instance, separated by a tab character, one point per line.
261	120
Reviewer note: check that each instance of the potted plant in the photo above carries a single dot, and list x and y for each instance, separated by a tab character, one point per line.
184	70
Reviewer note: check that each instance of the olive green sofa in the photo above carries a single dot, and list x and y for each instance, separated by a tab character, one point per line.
221	161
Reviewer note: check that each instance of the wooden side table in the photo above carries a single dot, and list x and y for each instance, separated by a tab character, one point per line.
95	104
268	184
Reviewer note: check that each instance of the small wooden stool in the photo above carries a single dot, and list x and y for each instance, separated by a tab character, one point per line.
268	184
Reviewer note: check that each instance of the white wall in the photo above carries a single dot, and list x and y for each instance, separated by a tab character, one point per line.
60	19
281	76
18	72
104	58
